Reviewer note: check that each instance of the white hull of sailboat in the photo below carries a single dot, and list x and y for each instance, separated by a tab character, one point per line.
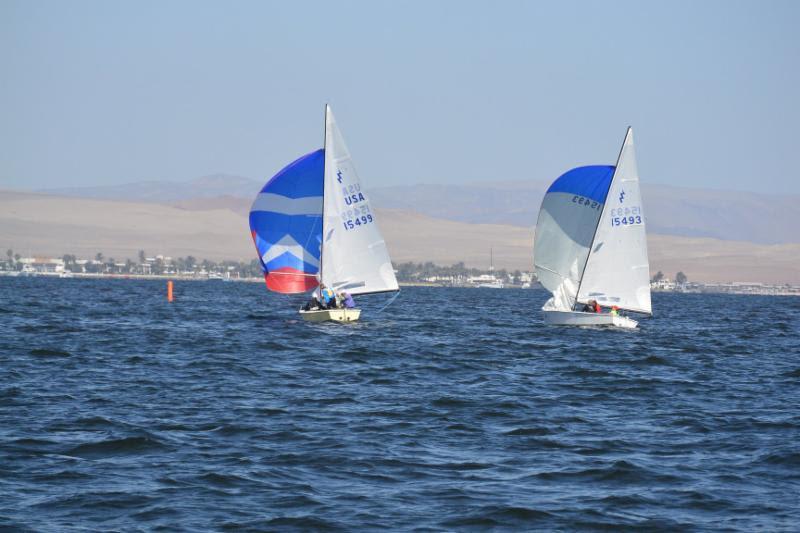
331	315
577	318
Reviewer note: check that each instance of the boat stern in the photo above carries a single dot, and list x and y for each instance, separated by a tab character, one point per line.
331	315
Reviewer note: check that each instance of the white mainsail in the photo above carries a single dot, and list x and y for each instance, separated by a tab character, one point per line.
354	255
617	270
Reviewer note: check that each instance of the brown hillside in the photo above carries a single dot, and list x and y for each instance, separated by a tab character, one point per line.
53	225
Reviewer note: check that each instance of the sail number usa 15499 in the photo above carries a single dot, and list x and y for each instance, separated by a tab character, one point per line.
356	217
358	221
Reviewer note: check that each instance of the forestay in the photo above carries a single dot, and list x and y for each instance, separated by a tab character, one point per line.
286	225
354	254
564	230
617	271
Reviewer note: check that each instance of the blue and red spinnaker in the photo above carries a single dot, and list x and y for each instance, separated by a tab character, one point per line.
286	225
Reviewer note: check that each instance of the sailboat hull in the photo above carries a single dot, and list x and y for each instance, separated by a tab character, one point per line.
576	318
331	315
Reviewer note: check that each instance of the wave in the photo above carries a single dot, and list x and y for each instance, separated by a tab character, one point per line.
49	352
139	445
618	472
533	431
492	516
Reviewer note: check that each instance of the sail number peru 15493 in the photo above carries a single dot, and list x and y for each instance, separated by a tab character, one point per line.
626	216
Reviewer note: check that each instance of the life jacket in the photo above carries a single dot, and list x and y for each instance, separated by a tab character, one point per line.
597	308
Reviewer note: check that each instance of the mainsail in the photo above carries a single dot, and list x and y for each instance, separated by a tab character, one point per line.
354	254
617	271
286	225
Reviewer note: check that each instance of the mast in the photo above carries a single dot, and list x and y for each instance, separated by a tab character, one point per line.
600	219
324	183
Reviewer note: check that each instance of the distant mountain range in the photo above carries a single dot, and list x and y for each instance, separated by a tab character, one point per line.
726	215
687	212
51	225
211	186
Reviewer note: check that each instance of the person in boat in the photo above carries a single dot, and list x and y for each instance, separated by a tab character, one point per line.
328	297
313	304
347	300
591	307
614	310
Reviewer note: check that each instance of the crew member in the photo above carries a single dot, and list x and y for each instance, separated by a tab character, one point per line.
591	307
328	297
347	300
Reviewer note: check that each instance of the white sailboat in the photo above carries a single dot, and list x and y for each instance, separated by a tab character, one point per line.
312	224
590	244
489	281
354	257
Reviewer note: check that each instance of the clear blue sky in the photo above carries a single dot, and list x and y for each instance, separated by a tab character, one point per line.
104	92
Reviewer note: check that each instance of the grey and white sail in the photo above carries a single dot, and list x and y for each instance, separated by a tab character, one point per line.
564	231
590	240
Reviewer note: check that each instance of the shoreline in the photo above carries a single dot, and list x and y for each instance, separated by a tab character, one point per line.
710	289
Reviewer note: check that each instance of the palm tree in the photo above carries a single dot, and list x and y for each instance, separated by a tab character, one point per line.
99	257
69	260
254	269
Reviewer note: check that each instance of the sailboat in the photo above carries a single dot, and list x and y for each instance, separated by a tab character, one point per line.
489	281
590	244
312	223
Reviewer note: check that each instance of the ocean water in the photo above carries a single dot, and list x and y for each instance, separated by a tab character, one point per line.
453	409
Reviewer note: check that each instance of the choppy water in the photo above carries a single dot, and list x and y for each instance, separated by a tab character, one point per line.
454	409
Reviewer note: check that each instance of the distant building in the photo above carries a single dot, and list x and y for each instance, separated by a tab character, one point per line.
42	265
664	284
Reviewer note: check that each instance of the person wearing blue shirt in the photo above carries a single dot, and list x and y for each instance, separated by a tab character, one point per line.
328	296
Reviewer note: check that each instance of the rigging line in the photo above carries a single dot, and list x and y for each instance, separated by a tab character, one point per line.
391	300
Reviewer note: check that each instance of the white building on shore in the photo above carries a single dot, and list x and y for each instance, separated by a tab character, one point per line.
42	265
664	284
